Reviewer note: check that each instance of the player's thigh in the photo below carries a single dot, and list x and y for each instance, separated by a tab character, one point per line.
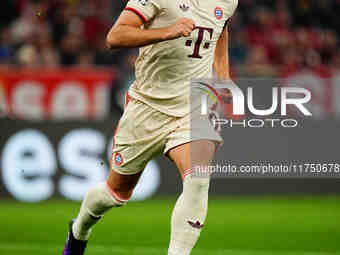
123	184
193	154
193	143
139	138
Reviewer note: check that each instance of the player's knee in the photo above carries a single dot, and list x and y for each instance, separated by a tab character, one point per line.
197	186
101	198
121	197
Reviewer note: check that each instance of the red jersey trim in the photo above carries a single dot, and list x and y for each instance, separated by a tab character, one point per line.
138	13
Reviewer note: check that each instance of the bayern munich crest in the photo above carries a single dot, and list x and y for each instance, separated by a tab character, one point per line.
218	13
118	159
143	2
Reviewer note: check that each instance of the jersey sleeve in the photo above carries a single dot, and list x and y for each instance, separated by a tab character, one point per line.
230	8
145	9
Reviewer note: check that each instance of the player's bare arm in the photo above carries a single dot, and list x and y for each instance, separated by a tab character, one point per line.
221	58
221	63
127	32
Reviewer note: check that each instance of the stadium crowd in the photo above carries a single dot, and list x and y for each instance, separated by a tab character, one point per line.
267	37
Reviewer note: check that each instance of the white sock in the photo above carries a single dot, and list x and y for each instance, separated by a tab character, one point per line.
189	215
96	203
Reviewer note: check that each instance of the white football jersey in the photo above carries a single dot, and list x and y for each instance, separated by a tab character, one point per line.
164	70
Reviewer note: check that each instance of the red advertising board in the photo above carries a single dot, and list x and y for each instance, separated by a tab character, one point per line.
55	94
324	86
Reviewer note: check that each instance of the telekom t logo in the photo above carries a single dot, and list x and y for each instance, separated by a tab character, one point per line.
239	100
201	31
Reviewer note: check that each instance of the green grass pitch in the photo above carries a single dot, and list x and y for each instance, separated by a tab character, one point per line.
304	225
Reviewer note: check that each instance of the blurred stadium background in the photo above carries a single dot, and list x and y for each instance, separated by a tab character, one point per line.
61	95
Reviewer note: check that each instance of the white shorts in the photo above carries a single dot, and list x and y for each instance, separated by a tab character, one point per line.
143	133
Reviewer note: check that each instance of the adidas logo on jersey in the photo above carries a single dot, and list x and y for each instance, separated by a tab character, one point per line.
184	7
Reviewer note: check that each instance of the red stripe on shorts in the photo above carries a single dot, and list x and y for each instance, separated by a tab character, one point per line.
127	100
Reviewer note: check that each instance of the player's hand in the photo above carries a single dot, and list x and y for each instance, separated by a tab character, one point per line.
227	104
226	96
182	28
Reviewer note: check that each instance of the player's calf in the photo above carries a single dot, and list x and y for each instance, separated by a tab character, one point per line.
97	202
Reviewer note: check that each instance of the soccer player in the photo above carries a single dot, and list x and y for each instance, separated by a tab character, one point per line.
179	40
